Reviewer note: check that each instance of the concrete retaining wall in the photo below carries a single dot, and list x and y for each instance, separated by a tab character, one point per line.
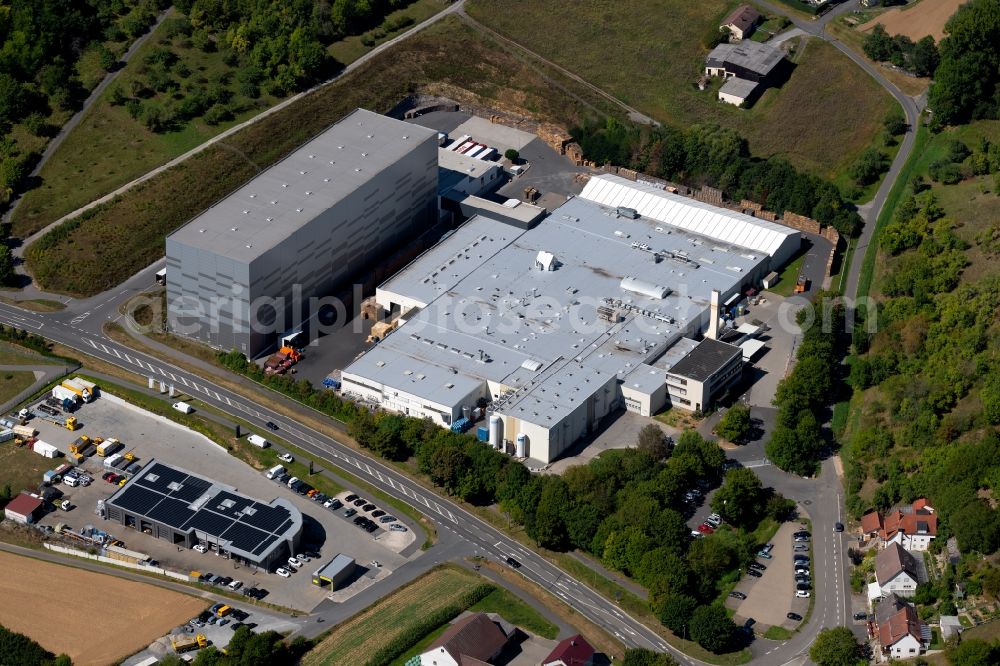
120	563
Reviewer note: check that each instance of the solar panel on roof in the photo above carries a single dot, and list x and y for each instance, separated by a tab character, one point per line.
191	489
267	518
264	545
171	512
244	537
137	499
209	522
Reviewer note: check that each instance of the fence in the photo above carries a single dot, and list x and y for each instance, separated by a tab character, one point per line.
120	563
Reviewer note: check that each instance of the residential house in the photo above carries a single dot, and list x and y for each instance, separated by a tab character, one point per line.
912	527
741	22
900	631
475	640
896	571
572	651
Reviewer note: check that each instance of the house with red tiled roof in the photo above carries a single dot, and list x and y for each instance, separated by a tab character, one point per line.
572	651
900	631
912	527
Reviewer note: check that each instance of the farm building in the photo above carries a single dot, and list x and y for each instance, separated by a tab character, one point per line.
751	61
559	325
187	509
242	272
24	509
737	92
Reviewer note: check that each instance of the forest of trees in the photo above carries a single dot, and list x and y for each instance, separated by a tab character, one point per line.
716	156
19	649
967	80
920	57
40	44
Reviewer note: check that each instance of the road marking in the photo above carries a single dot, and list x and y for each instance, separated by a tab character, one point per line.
76	320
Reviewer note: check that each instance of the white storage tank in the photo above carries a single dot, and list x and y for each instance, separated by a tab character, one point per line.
496	431
466	412
521	447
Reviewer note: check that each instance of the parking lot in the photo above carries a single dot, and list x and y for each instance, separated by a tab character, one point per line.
782	334
772	596
149	436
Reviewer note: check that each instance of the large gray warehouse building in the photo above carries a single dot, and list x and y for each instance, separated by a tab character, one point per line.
308	224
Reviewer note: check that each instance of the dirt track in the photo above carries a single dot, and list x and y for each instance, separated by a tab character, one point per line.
925	18
78	612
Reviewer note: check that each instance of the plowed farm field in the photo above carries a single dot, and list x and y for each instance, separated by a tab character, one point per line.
925	18
60	607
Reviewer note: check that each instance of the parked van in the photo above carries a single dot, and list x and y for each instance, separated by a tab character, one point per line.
183	407
71	481
258	441
275	471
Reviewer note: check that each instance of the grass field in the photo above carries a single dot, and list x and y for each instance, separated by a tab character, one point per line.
127	234
654	64
36	590
852	37
13	382
12	355
20	468
357	639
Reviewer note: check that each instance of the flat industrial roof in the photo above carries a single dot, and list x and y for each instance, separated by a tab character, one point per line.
283	198
493	315
185	501
705	360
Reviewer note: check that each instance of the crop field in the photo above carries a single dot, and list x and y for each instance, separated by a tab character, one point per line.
447	58
654	65
58	606
922	19
357	640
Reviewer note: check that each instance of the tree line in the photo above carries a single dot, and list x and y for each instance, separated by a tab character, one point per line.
920	57
967	81
804	396
718	157
623	507
19	649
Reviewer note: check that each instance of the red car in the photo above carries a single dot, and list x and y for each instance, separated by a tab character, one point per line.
109	477
705	528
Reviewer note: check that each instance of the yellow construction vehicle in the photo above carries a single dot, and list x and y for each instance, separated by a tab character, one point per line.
188	643
71	423
129	456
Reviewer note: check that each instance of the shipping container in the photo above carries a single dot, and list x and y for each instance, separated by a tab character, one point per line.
45	449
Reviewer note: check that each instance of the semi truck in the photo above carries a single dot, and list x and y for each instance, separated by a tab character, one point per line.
66	397
80	387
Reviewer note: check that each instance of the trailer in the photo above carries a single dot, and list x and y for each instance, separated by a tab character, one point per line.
24	431
258	441
7	434
45	449
81	388
109	446
112	460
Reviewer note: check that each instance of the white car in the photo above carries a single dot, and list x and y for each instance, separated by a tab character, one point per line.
283	572
235	585
201	548
294	562
396	527
286	457
802	594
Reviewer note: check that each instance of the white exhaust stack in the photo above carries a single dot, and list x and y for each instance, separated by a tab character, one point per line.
713	317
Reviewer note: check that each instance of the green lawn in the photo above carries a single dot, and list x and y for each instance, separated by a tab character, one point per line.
653	65
789	275
777	633
517	612
13	355
12	382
